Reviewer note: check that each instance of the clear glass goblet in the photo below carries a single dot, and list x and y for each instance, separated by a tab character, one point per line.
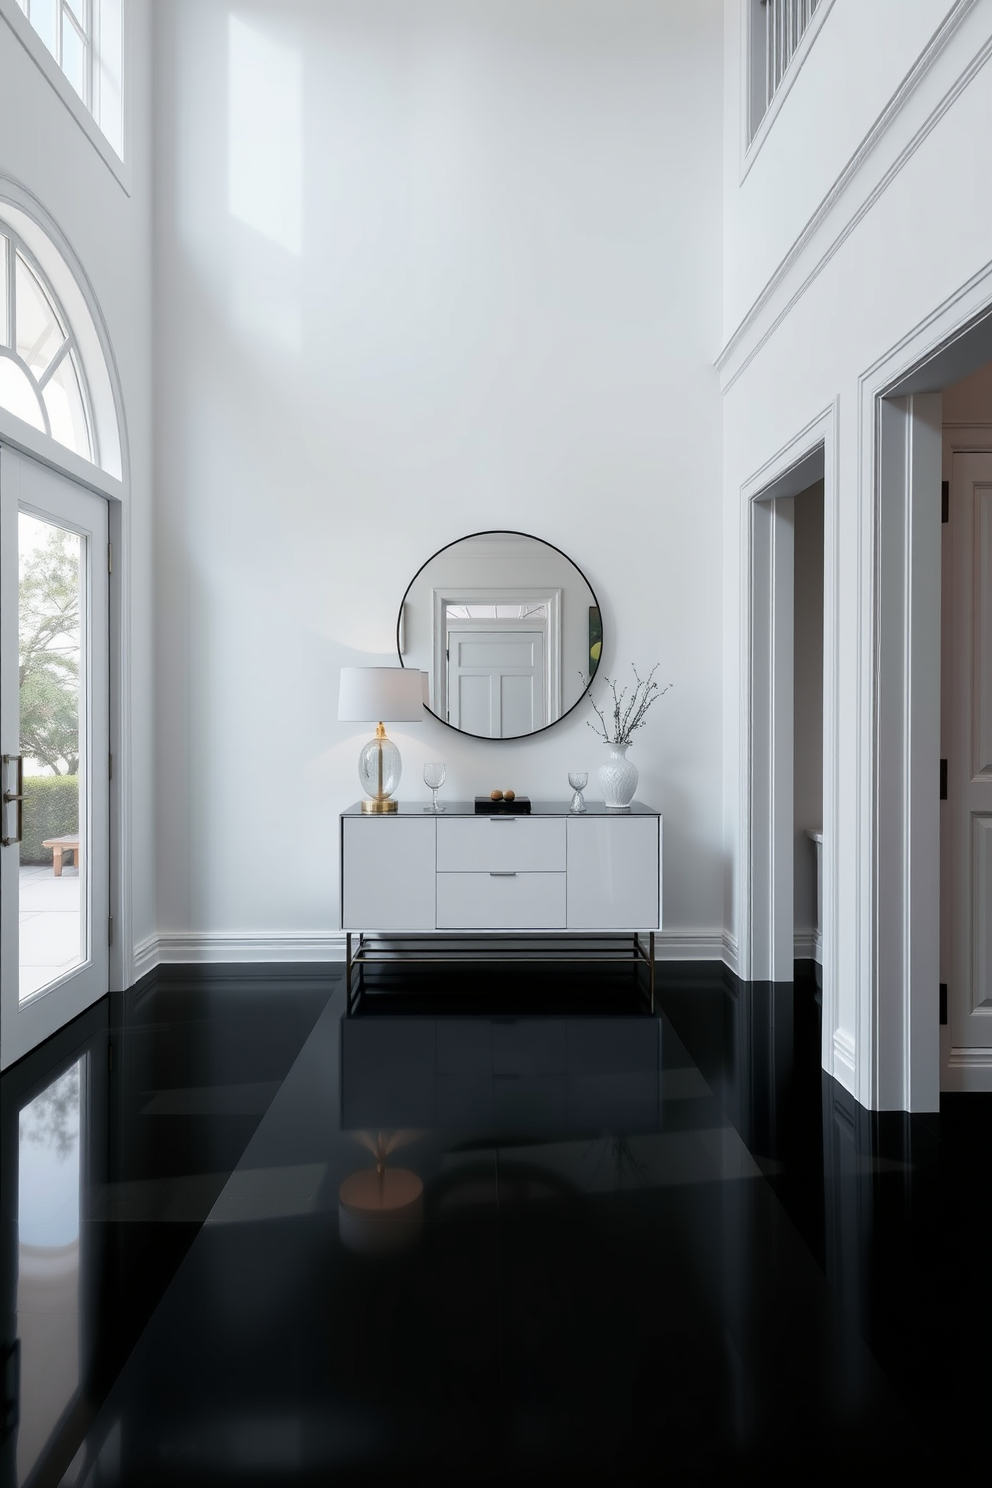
434	778
578	780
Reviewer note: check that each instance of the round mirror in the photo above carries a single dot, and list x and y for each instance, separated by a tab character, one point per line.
508	630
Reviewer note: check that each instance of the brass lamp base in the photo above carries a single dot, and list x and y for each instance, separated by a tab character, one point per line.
378	808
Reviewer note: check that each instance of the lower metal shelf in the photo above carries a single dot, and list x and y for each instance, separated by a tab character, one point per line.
369	949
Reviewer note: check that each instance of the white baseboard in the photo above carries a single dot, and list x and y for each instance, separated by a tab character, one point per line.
185	947
966	1071
844	1052
146	957
182	947
689	945
808	946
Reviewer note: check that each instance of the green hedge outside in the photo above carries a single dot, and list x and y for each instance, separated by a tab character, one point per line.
51	809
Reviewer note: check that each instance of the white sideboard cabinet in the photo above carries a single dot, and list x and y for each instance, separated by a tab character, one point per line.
457	876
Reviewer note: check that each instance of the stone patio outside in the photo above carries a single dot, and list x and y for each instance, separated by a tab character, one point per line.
49	926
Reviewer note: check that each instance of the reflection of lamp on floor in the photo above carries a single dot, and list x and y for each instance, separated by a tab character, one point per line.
370	695
380	1209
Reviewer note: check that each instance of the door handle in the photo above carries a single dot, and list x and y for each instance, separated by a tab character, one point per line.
12	798
495	819
502	874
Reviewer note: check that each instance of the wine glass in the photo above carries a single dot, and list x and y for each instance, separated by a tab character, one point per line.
434	774
578	780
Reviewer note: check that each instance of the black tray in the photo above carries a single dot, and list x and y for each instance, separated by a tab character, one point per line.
519	806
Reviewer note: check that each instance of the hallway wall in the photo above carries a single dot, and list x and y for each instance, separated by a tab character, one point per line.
423	269
903	245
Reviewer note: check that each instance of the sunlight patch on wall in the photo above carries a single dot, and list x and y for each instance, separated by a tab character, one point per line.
265	135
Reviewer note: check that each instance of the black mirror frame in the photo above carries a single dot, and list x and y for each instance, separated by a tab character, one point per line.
493	532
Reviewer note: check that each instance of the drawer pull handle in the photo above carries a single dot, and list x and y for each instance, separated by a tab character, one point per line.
502	874
495	819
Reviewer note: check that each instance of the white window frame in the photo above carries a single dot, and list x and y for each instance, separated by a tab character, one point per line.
13	15
751	142
69	347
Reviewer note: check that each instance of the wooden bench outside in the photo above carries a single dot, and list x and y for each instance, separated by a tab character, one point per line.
60	845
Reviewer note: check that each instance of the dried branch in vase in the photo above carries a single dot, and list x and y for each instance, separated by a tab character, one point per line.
628	713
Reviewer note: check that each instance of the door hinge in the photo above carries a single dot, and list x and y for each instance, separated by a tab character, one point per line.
943	1003
110	1056
110	930
945	501
110	767
110	557
943	780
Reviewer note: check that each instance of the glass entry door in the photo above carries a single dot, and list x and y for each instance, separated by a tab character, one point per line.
54	739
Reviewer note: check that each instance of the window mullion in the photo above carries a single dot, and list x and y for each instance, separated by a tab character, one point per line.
92	16
11	293
55	363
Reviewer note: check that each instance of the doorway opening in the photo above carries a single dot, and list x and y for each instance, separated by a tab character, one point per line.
965	1007
787	721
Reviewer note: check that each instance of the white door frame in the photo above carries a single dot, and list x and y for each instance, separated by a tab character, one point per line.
766	908
889	1059
46	239
29	488
899	694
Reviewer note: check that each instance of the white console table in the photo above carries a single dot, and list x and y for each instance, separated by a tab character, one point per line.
553	884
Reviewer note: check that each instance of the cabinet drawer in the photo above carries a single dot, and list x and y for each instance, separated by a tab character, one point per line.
507	901
507	844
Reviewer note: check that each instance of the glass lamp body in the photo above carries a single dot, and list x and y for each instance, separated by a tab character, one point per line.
379	770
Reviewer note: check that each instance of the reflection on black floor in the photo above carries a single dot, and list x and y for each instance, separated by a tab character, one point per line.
516	1232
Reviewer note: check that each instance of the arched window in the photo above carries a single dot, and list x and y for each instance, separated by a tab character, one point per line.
41	378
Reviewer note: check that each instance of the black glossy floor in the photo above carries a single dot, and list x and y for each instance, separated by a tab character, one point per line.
646	1249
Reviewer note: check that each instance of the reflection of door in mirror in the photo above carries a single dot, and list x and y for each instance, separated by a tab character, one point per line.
497	660
495	680
501	621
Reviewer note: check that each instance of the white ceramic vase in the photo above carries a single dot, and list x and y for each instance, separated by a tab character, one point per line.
618	779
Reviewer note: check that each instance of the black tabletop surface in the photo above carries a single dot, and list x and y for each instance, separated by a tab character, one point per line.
537	808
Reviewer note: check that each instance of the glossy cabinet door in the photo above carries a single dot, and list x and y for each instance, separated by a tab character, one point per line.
388	879
613	875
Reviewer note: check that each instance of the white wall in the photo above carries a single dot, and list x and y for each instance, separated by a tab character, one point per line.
907	239
422	269
44	149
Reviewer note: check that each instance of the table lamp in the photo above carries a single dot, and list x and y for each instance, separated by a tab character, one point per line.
377	693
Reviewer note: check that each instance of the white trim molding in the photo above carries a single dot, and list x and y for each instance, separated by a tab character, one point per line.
181	947
844	1058
177	947
765	912
901	448
823	236
689	945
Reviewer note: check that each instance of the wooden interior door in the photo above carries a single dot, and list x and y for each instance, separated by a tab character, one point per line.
966	813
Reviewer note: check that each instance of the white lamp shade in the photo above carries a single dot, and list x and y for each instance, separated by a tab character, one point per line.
381	695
